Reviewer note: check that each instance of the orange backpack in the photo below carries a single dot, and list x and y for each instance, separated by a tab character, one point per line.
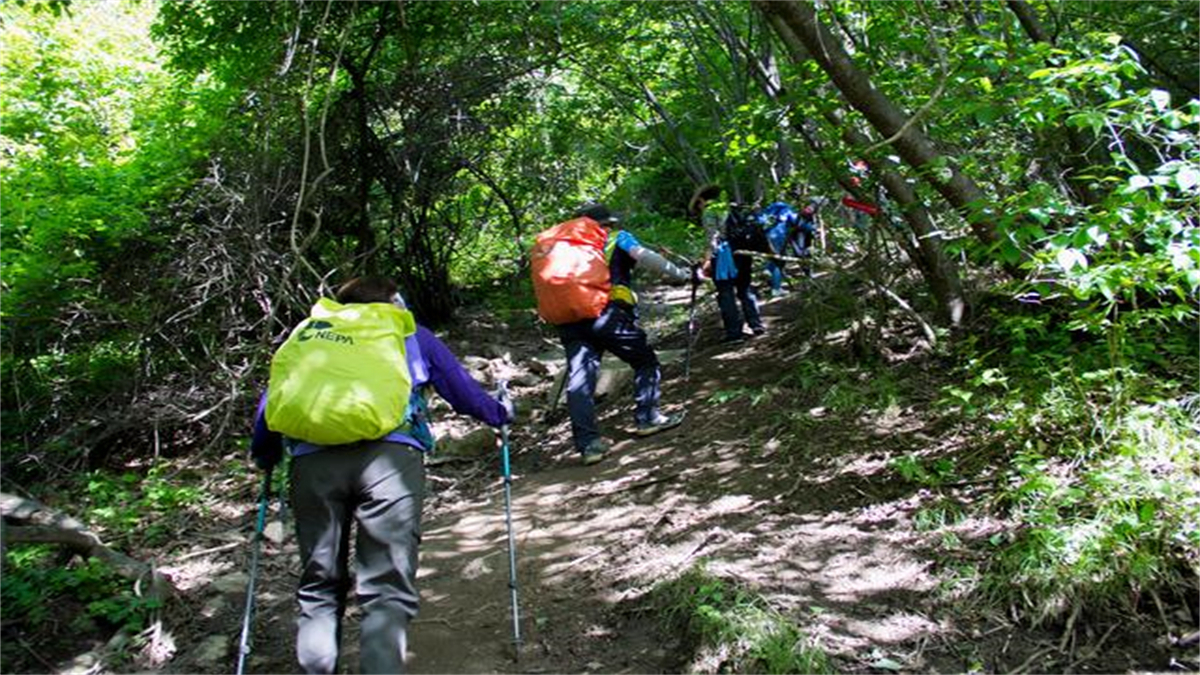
571	278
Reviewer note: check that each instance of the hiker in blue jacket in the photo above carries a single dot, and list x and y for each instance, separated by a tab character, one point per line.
780	221
379	484
616	330
789	233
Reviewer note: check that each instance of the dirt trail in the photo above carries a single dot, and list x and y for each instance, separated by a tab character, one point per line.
593	539
775	493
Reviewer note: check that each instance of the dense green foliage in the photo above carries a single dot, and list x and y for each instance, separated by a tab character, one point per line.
180	180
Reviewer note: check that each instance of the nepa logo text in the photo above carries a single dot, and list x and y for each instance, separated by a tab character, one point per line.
323	330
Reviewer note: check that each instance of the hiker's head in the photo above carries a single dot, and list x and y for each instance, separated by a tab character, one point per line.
598	213
702	196
367	289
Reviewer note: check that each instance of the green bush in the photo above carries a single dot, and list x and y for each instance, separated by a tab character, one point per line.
734	627
131	506
1103	532
34	584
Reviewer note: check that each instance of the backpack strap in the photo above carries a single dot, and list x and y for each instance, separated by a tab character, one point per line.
416	415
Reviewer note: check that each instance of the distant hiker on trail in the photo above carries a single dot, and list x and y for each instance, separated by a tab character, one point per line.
582	274
346	398
731	229
860	213
801	240
781	224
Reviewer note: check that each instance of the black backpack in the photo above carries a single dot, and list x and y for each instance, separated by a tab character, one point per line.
743	230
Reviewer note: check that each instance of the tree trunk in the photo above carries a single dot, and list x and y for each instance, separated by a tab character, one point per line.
939	271
913	146
1029	21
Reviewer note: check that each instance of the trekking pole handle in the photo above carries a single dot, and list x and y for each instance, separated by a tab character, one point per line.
505	400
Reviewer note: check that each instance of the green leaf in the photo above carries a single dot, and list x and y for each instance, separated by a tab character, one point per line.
1089	118
1009	253
1193	279
988	114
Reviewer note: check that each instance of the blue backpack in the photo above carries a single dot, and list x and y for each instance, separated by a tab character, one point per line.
778	219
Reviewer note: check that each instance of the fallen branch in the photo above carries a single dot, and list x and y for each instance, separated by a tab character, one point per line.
1037	655
208	551
30	521
925	327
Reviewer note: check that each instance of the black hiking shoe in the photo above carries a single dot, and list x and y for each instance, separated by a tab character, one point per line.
595	451
661	422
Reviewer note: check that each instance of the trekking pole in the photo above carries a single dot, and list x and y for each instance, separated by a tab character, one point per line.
771	256
687	354
247	618
512	541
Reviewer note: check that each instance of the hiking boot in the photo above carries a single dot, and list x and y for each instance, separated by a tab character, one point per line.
660	422
758	330
595	451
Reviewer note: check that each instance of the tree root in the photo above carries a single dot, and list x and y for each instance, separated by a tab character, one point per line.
30	521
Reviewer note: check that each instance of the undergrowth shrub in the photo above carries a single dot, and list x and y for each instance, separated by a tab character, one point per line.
1108	527
1103	486
131	507
732	629
35	587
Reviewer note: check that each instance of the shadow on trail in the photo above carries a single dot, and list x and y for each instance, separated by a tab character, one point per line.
816	523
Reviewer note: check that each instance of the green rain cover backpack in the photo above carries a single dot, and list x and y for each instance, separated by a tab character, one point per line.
342	375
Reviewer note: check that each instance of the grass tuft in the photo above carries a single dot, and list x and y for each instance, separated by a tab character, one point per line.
732	629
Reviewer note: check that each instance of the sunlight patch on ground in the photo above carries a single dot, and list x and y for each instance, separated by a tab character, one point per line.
196	573
893	628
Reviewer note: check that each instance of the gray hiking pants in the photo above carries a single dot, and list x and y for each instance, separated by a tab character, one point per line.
379	485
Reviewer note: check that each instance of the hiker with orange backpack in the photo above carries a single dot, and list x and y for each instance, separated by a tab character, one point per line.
346	398
582	274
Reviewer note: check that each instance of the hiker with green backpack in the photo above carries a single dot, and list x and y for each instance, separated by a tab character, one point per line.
346	400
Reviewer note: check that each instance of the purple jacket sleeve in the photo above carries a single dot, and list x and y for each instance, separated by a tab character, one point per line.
266	446
453	383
